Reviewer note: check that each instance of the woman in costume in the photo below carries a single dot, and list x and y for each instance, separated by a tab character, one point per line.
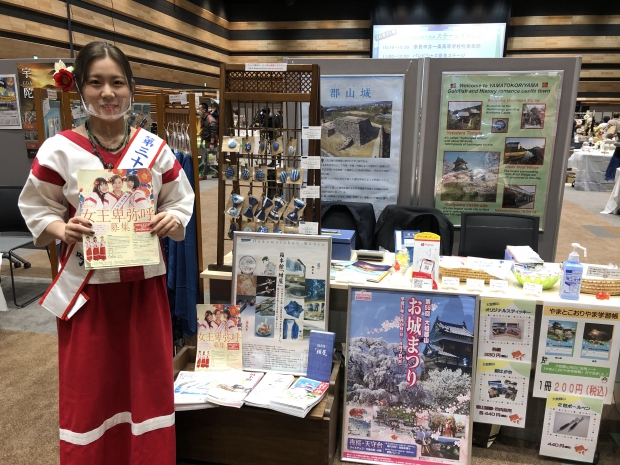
95	247
102	252
137	197
97	199
89	249
115	365
116	197
227	323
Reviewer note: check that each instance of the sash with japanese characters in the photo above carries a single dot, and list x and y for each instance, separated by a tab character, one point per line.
121	229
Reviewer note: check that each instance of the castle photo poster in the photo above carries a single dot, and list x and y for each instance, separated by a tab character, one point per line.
496	138
361	126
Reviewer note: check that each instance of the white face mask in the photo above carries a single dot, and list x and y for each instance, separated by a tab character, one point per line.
110	109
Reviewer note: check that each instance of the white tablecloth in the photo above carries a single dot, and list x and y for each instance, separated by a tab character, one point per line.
591	168
614	199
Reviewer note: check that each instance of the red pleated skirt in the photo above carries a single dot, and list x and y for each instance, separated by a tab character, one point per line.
116	377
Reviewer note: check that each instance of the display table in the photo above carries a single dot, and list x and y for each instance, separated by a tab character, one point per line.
590	168
251	435
614	199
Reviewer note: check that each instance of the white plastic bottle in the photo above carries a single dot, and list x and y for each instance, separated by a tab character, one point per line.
572	272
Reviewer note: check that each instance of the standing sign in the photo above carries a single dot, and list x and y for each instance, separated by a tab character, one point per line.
9	105
361	127
577	351
505	344
496	138
32	75
281	284
409	377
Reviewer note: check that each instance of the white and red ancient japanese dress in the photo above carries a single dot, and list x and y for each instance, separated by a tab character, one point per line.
117	202
93	201
89	250
138	200
115	365
95	247
102	252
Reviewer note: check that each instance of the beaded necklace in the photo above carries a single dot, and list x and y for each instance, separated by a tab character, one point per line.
91	136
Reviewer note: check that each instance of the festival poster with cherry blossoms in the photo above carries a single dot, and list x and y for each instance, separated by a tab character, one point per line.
409	377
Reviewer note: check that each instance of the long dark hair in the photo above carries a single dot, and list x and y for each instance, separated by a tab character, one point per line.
97	187
135	180
97	51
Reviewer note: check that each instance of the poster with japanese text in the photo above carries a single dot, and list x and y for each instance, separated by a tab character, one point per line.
495	142
281	284
570	429
219	338
578	351
409	377
119	203
9	103
500	393
506	329
361	127
31	75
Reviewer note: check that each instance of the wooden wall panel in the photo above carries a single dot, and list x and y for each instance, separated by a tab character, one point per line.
198	11
564	20
605	87
15	49
563	43
586	57
157	73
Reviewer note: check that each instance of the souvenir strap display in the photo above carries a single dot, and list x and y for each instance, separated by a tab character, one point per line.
64	297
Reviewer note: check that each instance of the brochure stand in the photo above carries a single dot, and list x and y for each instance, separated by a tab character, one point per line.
250	435
265	181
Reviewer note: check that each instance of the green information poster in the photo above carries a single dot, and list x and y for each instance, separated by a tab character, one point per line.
496	137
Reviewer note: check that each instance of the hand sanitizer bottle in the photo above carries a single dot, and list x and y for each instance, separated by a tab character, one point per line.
572	272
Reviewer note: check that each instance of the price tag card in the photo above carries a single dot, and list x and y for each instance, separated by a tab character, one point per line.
449	282
310	192
308	227
603	272
498	285
474	284
78	112
311	132
532	289
422	284
311	163
183	96
46	106
52	94
265	66
174	98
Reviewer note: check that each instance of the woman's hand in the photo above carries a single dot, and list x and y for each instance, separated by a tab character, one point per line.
164	224
75	228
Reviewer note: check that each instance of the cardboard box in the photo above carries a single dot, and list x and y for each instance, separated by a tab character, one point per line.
343	242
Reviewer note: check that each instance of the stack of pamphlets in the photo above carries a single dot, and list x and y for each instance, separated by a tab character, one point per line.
231	387
300	398
269	387
190	390
358	272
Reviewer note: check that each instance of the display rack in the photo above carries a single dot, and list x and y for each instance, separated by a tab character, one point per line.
184	115
261	152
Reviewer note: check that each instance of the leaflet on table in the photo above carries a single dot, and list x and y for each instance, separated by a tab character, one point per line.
269	387
191	387
495	142
500	394
506	329
280	283
571	426
231	387
409	377
361	134
119	203
578	351
219	338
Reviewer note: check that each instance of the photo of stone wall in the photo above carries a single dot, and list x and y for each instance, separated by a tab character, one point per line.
357	131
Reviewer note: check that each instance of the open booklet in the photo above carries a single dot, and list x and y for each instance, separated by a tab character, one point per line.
269	387
358	272
120	205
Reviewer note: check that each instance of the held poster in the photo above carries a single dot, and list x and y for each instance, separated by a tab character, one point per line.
578	351
409	377
281	284
9	104
119	203
361	126
496	139
505	341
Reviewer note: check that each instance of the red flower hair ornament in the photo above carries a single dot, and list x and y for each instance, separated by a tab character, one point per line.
63	76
